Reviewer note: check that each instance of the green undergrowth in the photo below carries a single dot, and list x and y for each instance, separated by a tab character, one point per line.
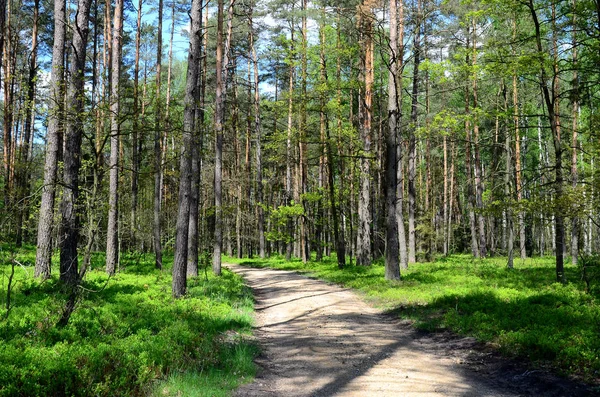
127	336
521	311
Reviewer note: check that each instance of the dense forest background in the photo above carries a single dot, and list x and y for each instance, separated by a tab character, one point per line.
398	130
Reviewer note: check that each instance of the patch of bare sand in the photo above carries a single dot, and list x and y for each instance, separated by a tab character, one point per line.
322	340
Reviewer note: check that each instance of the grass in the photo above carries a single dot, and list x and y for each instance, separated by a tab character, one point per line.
522	311
127	336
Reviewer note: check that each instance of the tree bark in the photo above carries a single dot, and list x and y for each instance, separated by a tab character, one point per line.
478	169
112	232
135	154
550	98
221	78
412	143
288	168
69	229
575	222
185	177
158	171
55	125
363	242
518	171
392	260
24	152
258	130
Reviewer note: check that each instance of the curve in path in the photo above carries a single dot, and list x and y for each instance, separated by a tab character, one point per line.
322	340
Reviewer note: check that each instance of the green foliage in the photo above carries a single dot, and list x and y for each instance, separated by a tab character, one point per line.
521	311
280	216
126	333
589	268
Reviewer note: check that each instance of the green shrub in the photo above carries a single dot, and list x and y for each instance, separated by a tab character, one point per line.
126	336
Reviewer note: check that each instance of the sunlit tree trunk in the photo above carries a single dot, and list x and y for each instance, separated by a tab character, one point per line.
112	232
518	171
363	254
221	78
54	130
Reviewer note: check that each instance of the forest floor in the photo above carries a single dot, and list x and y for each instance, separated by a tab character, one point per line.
320	339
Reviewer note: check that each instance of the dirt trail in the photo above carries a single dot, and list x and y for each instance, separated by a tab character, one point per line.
322	340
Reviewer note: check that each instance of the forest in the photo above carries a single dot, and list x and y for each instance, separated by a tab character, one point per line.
146	143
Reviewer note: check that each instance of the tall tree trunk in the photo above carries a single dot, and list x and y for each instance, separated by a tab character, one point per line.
24	153
158	171
221	78
112	232
288	168
575	223
518	172
55	125
402	250
338	227
304	250
445	248
8	57
258	128
468	163
478	168
507	189
135	154
69	229
198	143
319	235
412	144
550	99
392	261
363	255
185	182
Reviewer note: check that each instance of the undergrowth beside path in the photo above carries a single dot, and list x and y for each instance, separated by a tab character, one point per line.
522	311
127	336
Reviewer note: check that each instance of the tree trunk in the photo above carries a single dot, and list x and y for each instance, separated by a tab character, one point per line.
258	127
135	154
112	232
24	153
69	229
575	224
363	255
507	191
412	146
518	171
158	171
550	99
185	182
478	168
392	262
55	125
221	78
288	167
469	169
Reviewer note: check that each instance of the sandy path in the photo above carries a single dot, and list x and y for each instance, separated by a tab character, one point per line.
322	340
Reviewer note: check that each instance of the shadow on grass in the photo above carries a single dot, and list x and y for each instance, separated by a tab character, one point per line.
560	327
